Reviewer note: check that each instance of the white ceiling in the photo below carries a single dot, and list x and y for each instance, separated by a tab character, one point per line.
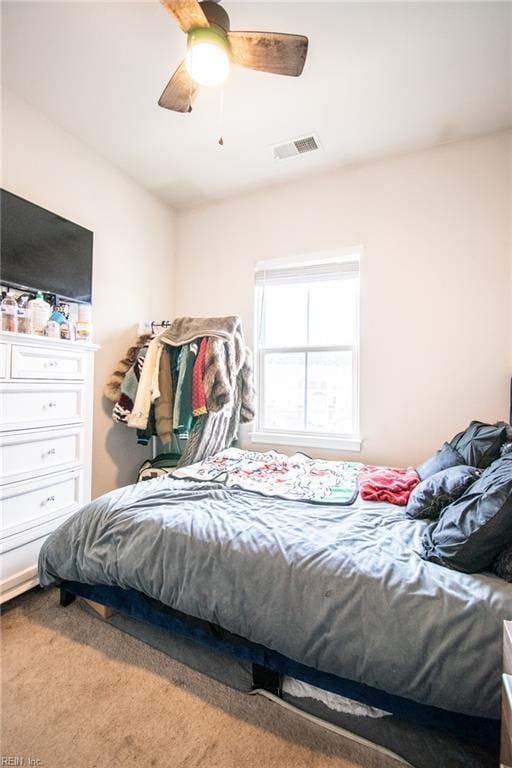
379	78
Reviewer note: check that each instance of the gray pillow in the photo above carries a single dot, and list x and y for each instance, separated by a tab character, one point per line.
476	527
437	491
445	457
480	444
502	565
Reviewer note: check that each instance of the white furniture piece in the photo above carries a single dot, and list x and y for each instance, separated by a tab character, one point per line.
506	698
46	388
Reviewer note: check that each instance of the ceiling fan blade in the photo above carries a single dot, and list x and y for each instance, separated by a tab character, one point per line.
180	91
188	14
274	52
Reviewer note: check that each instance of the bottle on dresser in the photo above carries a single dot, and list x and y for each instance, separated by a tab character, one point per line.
9	308
68	330
84	324
41	312
67	325
24	314
55	322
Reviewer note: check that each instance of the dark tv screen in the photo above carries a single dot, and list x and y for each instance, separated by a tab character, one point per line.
43	251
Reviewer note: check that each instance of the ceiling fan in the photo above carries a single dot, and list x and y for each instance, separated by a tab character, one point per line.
211	46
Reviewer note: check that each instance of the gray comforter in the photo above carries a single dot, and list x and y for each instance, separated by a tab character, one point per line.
341	589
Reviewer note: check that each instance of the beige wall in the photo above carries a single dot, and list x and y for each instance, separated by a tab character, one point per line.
436	273
133	254
435	300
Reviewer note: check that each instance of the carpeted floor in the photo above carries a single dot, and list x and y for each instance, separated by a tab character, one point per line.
78	693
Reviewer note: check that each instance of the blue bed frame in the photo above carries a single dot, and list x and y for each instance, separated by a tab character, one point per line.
268	665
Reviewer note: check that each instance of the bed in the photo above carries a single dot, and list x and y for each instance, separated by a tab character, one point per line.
328	607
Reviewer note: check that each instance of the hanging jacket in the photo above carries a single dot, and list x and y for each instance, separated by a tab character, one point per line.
198	393
182	412
128	391
148	389
112	389
164	403
217	430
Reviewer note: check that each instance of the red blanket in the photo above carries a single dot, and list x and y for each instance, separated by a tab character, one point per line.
387	484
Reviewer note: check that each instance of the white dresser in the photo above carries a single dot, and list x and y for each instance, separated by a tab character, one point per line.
46	390
506	698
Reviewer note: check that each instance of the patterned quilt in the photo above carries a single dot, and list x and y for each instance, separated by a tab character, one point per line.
271	473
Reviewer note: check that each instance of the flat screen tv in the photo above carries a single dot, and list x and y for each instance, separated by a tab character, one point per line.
43	251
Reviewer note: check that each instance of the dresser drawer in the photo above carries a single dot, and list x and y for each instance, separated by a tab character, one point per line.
506	722
27	505
18	568
36	363
25	455
507	647
40	405
4	360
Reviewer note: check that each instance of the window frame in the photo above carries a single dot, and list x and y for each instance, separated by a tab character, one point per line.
328	440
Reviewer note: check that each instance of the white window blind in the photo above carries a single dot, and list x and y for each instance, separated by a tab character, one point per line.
307	343
309	273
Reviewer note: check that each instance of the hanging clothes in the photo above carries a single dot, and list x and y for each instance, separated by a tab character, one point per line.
128	390
194	381
148	390
112	389
163	405
224	359
198	394
182	413
217	430
145	435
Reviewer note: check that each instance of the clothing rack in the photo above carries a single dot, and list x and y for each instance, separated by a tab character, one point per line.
184	413
162	324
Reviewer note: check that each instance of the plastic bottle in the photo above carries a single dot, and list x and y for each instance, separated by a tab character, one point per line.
25	320
24	314
9	309
53	329
41	312
84	326
68	330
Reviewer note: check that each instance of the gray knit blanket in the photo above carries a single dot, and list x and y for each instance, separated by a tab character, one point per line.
183	330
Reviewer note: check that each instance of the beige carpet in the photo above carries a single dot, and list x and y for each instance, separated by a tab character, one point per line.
78	693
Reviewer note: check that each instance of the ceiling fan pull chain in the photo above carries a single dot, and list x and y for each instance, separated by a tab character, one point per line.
221	117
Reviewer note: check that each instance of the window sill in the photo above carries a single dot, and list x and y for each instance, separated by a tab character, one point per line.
306	441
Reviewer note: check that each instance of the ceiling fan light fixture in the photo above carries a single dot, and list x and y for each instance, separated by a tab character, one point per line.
207	59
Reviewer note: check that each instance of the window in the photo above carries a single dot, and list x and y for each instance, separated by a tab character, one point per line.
307	346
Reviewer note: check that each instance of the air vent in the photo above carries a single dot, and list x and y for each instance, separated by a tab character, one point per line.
295	147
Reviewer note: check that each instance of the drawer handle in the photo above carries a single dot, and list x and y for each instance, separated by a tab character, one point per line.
48	500
51	452
52	405
51	364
